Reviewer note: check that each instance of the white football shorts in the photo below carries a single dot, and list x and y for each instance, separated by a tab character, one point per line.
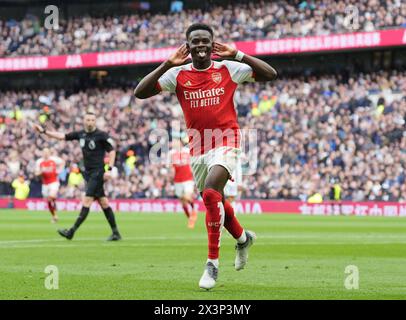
224	156
185	188
50	190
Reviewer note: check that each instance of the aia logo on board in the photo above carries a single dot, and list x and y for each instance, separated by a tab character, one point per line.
74	61
216	76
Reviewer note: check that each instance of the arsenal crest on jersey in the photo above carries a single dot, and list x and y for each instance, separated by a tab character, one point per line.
216	76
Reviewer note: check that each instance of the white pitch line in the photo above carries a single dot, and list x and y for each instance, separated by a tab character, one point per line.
80	239
302	240
73	245
275	236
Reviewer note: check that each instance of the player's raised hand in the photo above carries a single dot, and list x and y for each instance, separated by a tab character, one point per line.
180	56
111	174
38	128
107	176
224	50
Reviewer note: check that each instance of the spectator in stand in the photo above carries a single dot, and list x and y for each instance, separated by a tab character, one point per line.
21	187
130	162
75	180
318	129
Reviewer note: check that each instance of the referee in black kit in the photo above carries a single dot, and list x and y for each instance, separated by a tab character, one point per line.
94	143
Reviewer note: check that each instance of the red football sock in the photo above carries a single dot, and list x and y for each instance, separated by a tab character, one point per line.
52	206
214	220
192	204
186	209
231	223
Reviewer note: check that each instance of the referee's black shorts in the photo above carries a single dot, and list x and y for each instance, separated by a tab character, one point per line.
94	183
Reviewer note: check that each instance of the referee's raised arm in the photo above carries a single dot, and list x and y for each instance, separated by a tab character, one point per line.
52	134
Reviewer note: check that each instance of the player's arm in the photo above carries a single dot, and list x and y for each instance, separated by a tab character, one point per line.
112	171
148	86
109	146
52	134
262	70
60	163
38	171
112	158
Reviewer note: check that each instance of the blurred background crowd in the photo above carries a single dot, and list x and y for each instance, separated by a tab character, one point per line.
336	131
314	134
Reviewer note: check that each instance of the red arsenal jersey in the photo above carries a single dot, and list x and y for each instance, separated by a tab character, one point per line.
207	100
180	160
48	169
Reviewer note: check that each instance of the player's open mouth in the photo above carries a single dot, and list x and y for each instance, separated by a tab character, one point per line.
202	54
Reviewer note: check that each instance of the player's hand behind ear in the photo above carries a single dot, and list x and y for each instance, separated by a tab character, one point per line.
180	56
224	50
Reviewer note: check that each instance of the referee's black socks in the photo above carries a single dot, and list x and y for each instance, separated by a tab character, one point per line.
108	212
82	217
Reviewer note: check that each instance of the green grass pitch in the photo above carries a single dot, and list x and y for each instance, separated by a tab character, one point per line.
295	257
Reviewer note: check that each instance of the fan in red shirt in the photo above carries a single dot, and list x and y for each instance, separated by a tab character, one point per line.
183	179
48	167
205	90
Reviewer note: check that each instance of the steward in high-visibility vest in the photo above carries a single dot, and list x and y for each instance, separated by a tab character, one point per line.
315	198
75	177
21	187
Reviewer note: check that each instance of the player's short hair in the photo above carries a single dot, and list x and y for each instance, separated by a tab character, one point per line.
90	111
198	26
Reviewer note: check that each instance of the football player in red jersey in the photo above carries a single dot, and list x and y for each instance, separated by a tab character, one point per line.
205	90
183	179
48	167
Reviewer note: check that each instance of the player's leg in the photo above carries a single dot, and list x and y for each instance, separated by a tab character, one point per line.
45	190
188	197
189	193
231	223
200	171
230	199
179	193
87	202
213	200
53	193
52	209
245	239
220	212
84	212
92	180
231	191
186	206
109	214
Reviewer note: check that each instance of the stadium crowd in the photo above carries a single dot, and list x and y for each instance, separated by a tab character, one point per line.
241	21
313	133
